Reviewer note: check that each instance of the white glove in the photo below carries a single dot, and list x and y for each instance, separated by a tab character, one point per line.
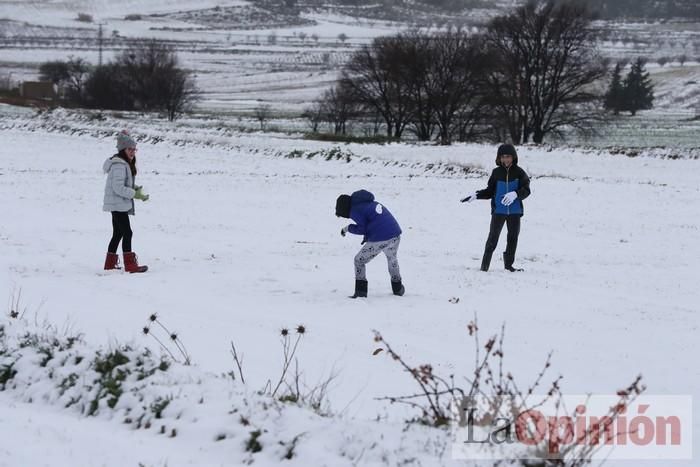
469	198
508	198
344	230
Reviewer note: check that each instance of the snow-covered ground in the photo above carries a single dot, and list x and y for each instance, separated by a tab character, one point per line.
241	242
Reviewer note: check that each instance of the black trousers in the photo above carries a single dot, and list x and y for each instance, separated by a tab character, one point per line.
513	224
121	232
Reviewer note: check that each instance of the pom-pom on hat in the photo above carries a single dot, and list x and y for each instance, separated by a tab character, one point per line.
125	141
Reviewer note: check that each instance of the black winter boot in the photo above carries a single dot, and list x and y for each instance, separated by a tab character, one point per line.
360	289
398	288
508	263
486	261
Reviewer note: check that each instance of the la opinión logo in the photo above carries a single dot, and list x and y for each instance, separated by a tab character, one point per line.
650	427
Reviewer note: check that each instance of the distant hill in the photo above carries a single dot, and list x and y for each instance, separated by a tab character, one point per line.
457	6
414	12
645	9
605	9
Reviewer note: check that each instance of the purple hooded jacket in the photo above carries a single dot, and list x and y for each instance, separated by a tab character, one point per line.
373	220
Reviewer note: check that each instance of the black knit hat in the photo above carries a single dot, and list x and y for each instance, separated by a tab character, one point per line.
506	149
342	206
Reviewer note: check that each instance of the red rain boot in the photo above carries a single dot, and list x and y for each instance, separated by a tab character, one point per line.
131	263
112	261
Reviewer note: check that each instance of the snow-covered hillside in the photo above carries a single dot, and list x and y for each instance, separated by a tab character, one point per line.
242	241
244	55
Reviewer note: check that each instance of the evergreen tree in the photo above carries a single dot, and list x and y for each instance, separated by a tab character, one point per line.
615	96
639	91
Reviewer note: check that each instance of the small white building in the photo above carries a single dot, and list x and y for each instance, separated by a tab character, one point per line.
38	90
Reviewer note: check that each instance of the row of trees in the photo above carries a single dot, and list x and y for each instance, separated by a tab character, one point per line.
634	93
533	72
144	77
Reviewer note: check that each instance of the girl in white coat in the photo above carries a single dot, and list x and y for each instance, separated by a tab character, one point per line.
120	192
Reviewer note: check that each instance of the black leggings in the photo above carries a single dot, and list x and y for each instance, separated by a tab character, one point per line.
121	231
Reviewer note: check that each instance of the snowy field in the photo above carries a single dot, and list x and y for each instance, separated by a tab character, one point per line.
238	66
241	242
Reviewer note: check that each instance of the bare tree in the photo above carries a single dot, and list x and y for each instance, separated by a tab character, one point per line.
422	83
78	70
108	88
179	93
377	80
71	75
155	79
262	114
546	64
55	71
458	66
313	115
414	54
338	106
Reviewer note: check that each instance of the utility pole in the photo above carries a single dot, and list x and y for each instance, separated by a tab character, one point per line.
100	37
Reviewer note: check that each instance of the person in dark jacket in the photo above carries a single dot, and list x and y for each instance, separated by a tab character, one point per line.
380	231
507	187
120	192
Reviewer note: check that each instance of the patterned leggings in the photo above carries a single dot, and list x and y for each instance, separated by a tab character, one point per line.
371	249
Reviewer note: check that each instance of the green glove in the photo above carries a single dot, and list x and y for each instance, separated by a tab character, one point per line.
140	195
138	187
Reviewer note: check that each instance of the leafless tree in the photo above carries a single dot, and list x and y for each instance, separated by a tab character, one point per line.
338	106
155	79
179	93
55	71
108	88
458	66
71	75
546	64
378	81
425	83
414	54
313	114
262	114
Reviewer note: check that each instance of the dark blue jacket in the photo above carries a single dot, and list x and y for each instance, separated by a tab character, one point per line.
372	219
502	181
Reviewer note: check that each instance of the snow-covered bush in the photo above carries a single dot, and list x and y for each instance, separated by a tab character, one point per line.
84	18
143	391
